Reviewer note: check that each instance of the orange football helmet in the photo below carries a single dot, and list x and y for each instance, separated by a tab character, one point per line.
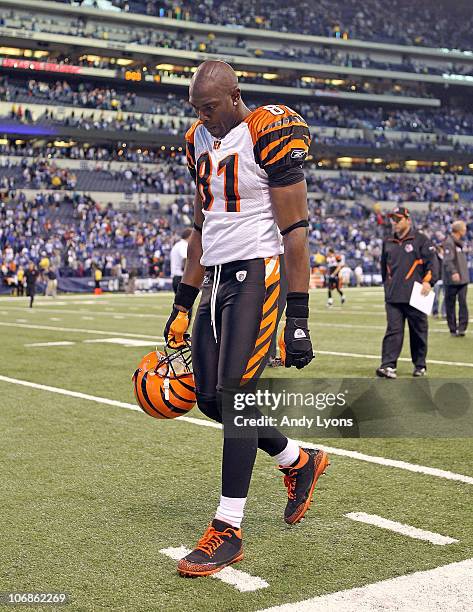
164	384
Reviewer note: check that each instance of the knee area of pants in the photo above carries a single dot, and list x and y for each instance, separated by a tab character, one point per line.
233	402
207	403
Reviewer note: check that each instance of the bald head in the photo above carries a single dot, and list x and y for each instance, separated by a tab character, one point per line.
215	97
213	76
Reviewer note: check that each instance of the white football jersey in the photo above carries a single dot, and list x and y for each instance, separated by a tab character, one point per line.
233	176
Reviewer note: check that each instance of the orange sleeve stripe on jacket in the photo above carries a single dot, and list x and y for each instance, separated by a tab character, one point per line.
428	277
413	267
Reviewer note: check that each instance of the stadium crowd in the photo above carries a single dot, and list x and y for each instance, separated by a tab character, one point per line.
395	188
171	177
87	153
87	95
400	21
74	235
89	121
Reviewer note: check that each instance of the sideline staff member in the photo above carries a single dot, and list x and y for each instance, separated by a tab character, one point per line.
178	258
456	278
407	256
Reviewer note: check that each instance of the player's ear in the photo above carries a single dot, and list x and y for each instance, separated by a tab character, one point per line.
236	96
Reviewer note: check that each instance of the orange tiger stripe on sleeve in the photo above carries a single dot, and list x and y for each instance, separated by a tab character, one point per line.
293	144
261	118
191	131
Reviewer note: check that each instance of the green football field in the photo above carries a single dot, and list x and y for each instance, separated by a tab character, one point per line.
93	491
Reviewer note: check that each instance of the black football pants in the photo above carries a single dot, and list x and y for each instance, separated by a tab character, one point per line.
452	292
397	314
232	333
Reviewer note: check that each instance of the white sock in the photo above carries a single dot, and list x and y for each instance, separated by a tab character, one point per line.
289	455
230	510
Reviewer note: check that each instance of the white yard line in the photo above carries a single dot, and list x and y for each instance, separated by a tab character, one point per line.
403	465
121	341
81	330
407	530
83	311
159	339
243	582
449	587
378	358
361	326
64	343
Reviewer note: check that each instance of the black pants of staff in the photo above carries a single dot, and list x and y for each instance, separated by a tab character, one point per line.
452	292
397	314
175	282
30	292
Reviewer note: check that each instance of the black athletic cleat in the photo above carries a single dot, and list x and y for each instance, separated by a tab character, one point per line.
300	484
221	545
386	372
419	372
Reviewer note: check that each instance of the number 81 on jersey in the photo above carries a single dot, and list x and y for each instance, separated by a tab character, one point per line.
229	168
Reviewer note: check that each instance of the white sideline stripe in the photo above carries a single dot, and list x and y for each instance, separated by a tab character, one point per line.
402	528
81	330
97	313
159	339
242	581
448	587
374	327
121	341
377	357
403	465
64	343
85	396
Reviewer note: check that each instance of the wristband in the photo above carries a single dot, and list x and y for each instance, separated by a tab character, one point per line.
297	305
185	295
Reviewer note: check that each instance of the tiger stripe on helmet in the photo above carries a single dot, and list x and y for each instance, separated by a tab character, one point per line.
144	399
169	406
160	391
269	316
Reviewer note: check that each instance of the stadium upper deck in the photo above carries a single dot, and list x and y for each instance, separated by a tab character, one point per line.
404	22
97	80
177	44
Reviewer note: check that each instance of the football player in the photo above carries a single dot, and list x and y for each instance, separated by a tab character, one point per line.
250	189
335	263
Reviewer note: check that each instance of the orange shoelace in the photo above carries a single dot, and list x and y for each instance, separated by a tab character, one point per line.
211	540
290	484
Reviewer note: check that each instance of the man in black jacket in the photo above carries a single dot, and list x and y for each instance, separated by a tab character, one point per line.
408	256
31	276
456	279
